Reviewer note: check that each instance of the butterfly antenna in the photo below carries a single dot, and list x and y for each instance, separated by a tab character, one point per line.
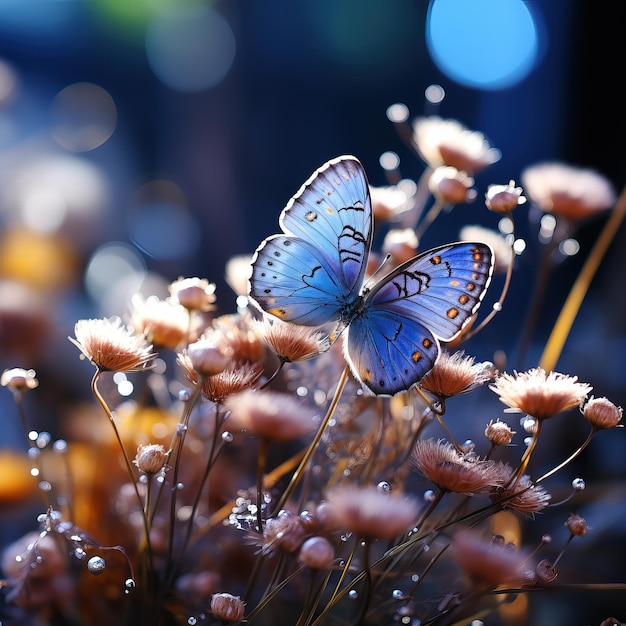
376	271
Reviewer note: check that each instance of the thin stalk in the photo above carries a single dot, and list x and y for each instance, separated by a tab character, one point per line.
564	322
297	475
261	464
429	218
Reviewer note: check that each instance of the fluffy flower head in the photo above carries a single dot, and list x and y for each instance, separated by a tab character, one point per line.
111	346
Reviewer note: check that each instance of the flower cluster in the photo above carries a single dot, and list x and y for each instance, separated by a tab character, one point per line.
233	471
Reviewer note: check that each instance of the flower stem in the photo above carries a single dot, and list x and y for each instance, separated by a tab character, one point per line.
297	475
574	300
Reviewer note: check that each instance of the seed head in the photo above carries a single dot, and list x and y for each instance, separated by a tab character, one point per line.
539	394
110	346
291	342
576	525
499	433
454	374
451	470
451	185
504	198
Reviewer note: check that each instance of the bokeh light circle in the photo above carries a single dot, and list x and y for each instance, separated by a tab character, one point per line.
84	117
190	48
486	44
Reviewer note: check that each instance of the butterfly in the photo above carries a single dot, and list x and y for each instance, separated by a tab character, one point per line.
313	274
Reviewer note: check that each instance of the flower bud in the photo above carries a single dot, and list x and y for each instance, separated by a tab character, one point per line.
150	458
577	525
317	553
499	433
19	380
602	413
227	608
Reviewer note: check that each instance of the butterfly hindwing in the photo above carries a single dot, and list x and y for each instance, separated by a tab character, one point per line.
389	352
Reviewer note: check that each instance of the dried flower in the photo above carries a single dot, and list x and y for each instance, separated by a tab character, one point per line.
389	201
571	192
237	377
285	531
452	186
206	358
602	413
271	415
165	324
111	347
401	244
291	342
499	433
500	246
150	458
447	142
454	374
370	513
19	380
239	336
195	294
489	562
227	608
451	470
504	198
522	496
539	394
317	553
576	525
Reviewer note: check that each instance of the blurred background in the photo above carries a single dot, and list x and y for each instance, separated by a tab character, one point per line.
143	140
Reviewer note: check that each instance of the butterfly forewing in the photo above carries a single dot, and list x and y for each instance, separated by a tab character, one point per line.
332	210
441	288
292	281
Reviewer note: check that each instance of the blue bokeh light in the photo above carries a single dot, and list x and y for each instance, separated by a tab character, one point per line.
485	44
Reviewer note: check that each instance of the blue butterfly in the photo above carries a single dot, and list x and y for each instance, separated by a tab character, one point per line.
314	272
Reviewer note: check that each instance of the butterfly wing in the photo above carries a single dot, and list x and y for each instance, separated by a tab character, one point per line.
394	341
313	273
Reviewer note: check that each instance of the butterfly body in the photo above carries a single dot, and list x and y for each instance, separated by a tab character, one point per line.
314	274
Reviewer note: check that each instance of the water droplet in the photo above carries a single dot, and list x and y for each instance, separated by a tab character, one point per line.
227	437
184	395
546	538
497	306
397	594
415	578
179	486
429	495
192	621
44	485
96	565
527	441
353	594
529	424
383	486
398	113
143	479
578	484
39	558
32	435
181	429
79	553
129	585
34	471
